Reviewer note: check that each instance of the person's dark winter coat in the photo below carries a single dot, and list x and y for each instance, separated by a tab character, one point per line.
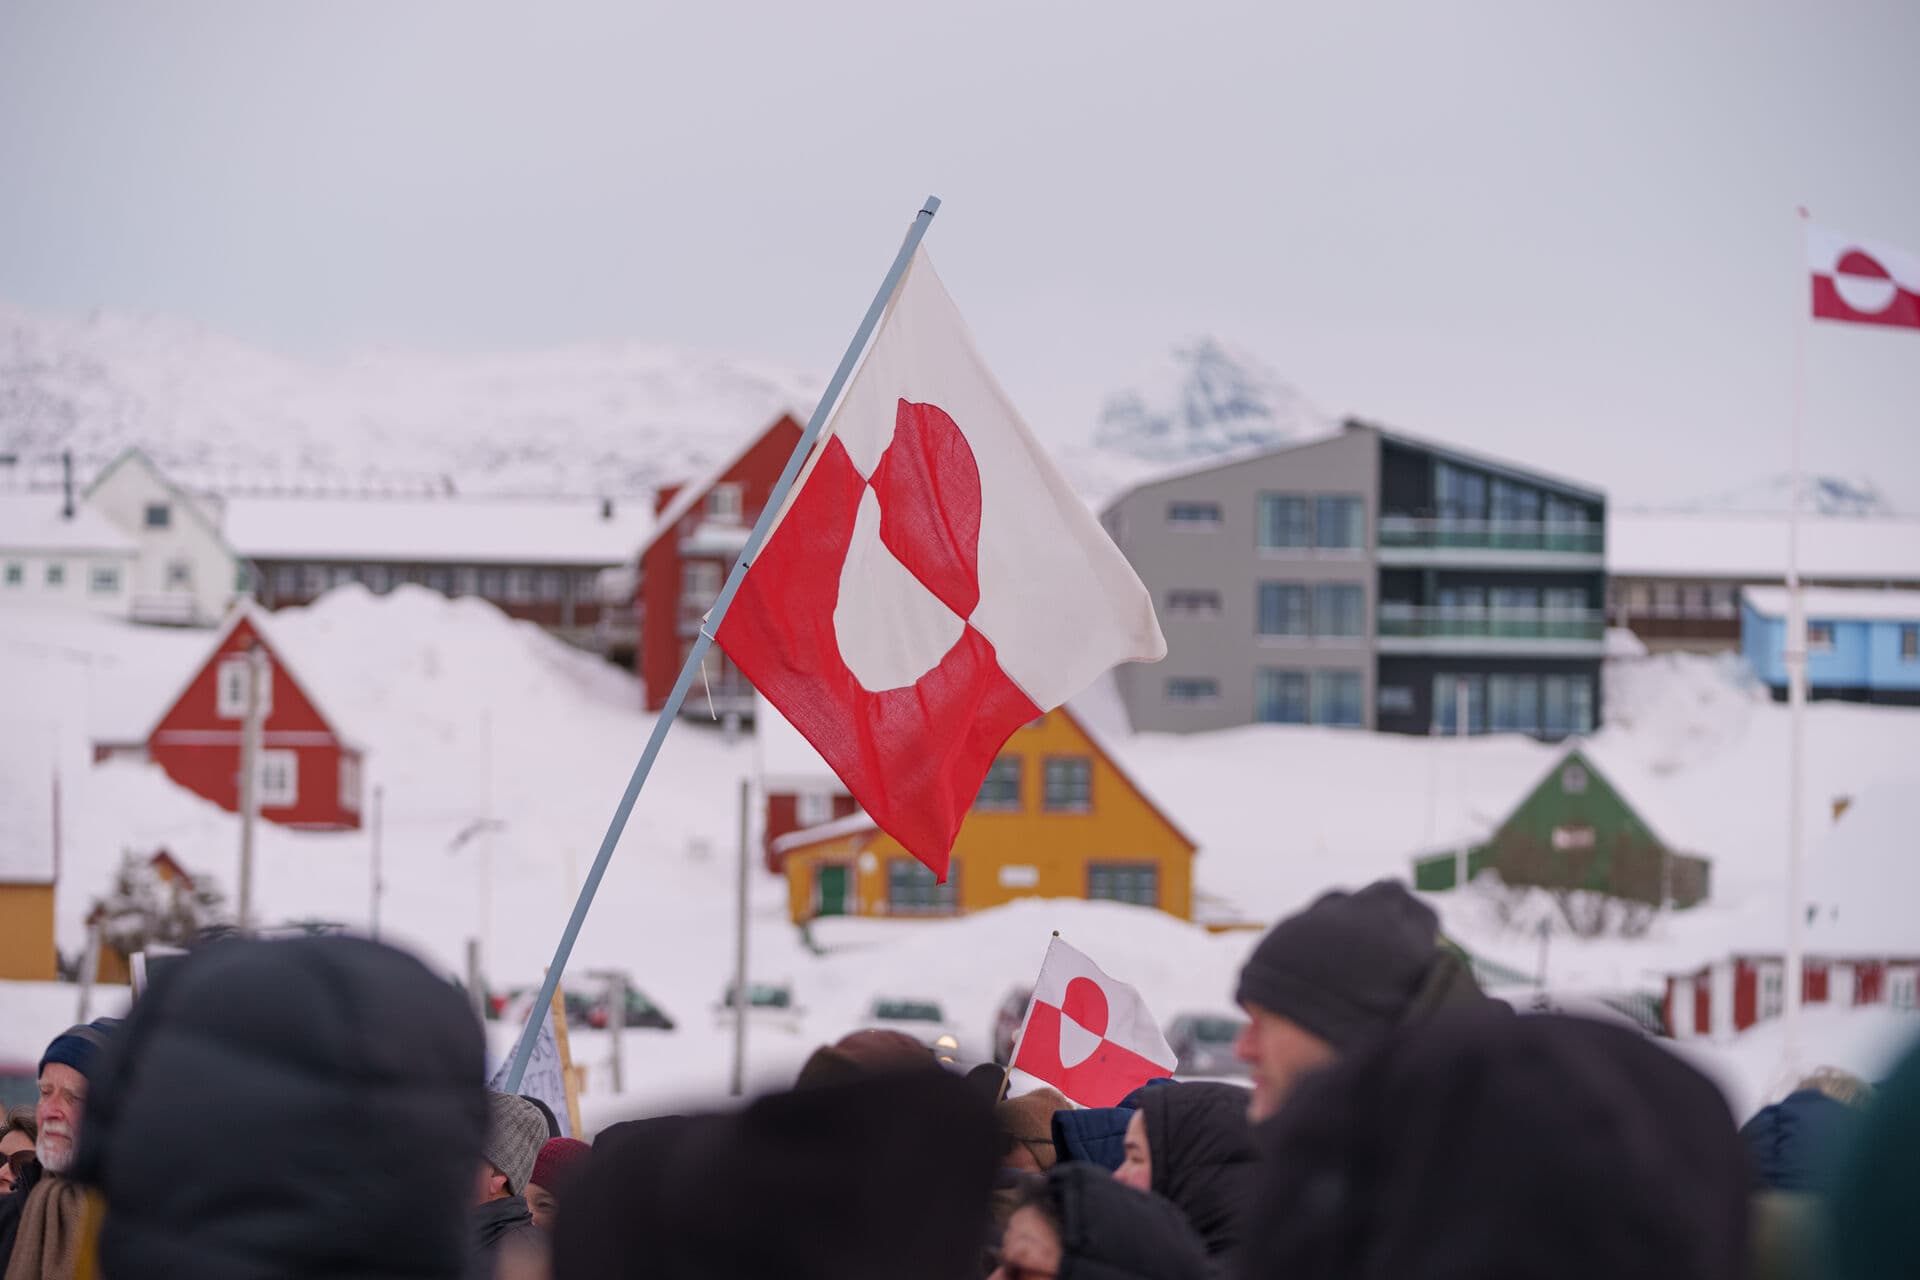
1353	966
1098	1135
1112	1232
1875	1232
877	1179
1203	1156
1793	1142
1481	1145
309	1107
498	1228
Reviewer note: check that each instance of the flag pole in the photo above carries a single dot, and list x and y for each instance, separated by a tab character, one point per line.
1796	660
696	655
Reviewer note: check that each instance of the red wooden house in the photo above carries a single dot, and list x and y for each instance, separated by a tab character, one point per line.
702	526
1733	994
309	774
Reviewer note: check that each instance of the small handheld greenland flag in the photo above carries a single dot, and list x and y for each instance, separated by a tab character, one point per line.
1087	1035
1862	283
932	583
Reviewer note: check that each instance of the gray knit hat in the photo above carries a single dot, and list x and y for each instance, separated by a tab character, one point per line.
515	1132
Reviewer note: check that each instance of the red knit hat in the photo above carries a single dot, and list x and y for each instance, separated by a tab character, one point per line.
555	1158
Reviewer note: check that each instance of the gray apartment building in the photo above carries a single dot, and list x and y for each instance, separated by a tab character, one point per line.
1368	580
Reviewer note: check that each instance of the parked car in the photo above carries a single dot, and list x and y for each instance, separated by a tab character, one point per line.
924	1020
1006	1022
767	1002
517	1003
641	1012
1204	1042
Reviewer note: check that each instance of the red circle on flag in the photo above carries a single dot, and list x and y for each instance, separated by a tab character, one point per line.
1855	263
1086	1004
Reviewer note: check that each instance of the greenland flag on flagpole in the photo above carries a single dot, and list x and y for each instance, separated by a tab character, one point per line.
1863	283
932	583
1087	1035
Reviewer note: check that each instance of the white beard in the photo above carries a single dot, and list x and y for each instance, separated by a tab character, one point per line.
51	1159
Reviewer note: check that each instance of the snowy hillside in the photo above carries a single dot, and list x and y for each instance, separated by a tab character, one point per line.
1819	495
1201	400
606	418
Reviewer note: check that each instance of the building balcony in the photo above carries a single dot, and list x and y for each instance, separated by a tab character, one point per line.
1492	631
1453	542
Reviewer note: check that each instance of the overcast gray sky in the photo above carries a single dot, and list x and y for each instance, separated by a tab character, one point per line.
1560	232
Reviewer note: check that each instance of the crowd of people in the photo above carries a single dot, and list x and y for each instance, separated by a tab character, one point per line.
313	1108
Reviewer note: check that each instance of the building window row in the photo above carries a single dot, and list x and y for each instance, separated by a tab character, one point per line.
1300	697
912	890
101	579
1298	609
1554	705
1137	883
1192	689
1676	600
1193	603
511	586
1303	522
1194	515
1066	785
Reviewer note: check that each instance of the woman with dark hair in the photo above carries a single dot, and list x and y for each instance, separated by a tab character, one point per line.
17	1137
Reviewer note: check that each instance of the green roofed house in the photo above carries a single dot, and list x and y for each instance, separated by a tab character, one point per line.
1575	831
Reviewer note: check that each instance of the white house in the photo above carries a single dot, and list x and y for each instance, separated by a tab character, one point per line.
186	574
56	553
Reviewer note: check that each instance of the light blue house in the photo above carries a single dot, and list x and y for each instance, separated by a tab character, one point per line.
1862	646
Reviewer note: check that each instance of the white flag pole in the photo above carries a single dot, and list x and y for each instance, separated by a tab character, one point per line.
697	653
1796	660
1019	1037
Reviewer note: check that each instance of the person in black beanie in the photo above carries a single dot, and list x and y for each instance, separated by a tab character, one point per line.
880	1178
41	1219
1482	1145
311	1107
1337	976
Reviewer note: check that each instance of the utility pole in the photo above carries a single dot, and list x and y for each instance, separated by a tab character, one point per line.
741	1003
250	735
618	985
1460	727
373	918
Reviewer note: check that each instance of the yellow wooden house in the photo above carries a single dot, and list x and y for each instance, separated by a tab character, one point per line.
1057	817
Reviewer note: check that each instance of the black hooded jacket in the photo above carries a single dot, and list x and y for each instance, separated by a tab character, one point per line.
305	1108
1502	1146
1109	1231
1203	1156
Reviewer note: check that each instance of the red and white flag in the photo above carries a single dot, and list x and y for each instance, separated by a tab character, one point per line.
932	583
1087	1035
1863	283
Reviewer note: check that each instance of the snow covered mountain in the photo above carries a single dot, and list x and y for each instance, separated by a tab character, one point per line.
604	418
1819	495
1201	400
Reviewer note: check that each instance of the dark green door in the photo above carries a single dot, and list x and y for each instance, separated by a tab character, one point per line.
831	883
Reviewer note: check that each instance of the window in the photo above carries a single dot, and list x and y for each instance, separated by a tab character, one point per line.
1339	524
1513	703
1336	699
1666	599
378	577
231	690
1572	836
1772	991
1566	705
1564	601
1337	609
1910	644
811	808
1282	609
179	575
350	783
1573	779
466	581
1000	789
1446	702
1194	515
159	515
911	890
723	502
519	585
1819	637
438	579
546	586
1394	699
286	580
1280	697
586	585
16	573
278	779
313	579
1069	784
105	579
56	574
700	583
1134	882
493	584
1193	604
1516	599
1516	504
1192	689
1693	602
1283	523
1903	988
340	575
1639	599
1459	494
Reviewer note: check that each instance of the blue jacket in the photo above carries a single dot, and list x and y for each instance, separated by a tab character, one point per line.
1791	1141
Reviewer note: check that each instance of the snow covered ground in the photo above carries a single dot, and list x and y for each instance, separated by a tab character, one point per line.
469	716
